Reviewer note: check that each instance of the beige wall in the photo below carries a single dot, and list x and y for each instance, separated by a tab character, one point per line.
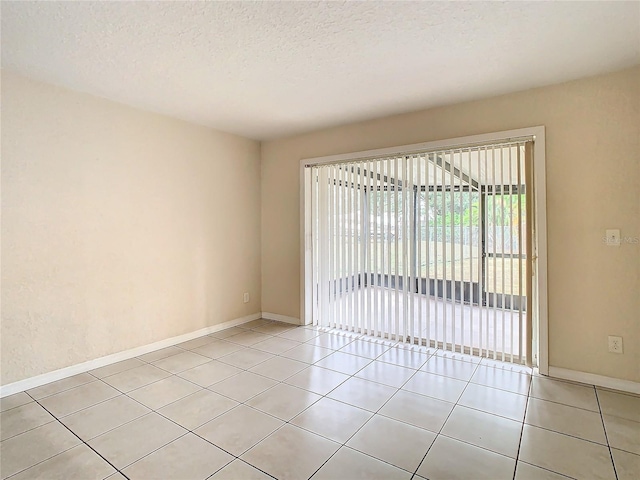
593	183
119	227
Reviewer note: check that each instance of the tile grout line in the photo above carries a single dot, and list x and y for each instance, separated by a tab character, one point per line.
61	391
415	473
177	373
30	429
524	418
211	359
377	412
46	459
238	459
308	365
171	441
188	430
562	433
530	396
323	396
555	402
477	365
288	422
285	422
78	437
196	434
547	429
606	437
309	342
151	411
242	370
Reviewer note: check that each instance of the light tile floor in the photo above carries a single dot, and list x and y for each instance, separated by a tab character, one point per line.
268	399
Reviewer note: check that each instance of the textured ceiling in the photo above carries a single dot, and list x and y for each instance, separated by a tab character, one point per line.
270	69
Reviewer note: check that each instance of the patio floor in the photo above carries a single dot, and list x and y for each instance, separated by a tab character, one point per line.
491	330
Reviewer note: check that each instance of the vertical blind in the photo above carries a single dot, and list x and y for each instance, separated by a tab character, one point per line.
426	248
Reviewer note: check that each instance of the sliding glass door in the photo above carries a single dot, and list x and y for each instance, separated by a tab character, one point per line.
424	247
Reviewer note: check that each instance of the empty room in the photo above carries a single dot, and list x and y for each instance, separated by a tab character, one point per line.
320	240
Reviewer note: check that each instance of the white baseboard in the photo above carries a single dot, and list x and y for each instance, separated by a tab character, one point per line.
38	380
593	379
280	318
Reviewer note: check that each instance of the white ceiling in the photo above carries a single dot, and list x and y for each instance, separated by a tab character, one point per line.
271	69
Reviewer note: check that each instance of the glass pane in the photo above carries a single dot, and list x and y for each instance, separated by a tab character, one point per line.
440	242
505	214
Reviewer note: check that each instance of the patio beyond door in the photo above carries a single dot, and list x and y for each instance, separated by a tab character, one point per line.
425	247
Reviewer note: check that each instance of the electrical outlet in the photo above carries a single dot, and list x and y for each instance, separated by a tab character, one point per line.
245	297
615	344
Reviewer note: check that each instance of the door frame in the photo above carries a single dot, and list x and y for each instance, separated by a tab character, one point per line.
540	315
